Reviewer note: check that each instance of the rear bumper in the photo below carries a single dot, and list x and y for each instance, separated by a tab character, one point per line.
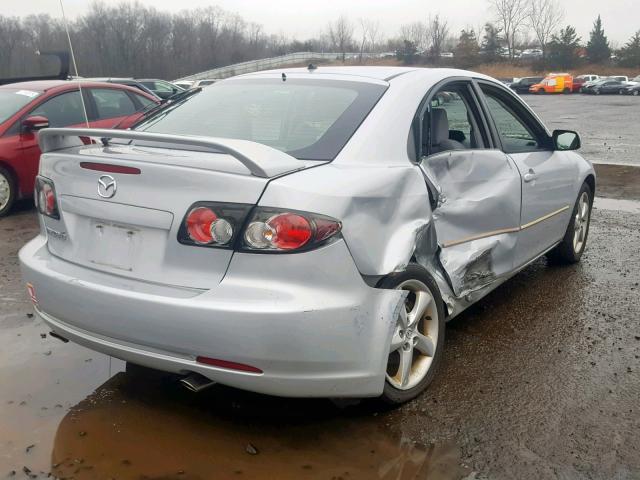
308	321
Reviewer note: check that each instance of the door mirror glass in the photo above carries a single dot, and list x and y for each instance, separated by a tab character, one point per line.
35	122
566	140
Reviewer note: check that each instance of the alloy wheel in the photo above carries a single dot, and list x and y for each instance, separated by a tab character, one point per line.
414	340
5	191
581	223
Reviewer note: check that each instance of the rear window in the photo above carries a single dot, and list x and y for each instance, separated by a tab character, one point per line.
13	100
308	119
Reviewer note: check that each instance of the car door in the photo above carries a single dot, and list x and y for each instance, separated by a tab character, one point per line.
547	176
63	110
477	210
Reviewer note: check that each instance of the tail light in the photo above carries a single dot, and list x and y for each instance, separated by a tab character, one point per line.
275	230
225	225
46	200
211	224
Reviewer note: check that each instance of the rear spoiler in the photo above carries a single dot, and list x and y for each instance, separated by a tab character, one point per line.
259	159
63	74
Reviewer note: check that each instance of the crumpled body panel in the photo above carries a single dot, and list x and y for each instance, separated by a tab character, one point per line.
477	218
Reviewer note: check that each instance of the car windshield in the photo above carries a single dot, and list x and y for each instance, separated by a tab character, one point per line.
307	118
13	100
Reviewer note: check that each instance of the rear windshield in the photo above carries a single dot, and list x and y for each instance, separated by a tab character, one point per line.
308	119
13	100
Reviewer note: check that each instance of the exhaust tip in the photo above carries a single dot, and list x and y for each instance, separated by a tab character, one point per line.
196	382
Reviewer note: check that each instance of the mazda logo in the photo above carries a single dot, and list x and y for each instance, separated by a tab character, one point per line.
107	186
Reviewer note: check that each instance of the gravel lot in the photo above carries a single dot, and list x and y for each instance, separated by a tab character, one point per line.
608	124
540	380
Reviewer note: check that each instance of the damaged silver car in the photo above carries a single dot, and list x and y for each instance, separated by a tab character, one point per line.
302	232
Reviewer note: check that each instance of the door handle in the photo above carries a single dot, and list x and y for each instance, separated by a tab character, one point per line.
530	176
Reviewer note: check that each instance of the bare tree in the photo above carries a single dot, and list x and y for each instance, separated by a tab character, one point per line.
545	17
341	34
417	33
364	35
511	17
375	34
370	31
438	29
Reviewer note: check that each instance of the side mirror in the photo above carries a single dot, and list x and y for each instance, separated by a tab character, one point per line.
566	140
35	123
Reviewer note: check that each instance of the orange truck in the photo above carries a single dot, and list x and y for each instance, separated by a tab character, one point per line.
554	83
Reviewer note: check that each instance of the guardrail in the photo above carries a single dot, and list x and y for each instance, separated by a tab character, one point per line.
272	62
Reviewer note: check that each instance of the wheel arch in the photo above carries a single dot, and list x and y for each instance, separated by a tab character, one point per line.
591	181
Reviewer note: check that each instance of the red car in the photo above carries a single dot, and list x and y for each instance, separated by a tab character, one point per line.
27	107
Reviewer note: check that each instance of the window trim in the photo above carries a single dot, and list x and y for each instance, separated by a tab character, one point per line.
424	108
521	111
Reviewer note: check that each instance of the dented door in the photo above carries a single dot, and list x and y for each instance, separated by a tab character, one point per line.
477	217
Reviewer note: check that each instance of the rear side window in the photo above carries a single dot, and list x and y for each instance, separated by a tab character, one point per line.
62	110
112	103
309	119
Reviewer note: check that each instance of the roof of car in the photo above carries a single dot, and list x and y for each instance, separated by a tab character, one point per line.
373	74
376	73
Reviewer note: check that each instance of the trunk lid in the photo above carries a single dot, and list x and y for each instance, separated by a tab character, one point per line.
134	233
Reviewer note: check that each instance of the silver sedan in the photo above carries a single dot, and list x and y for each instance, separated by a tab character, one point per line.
301	232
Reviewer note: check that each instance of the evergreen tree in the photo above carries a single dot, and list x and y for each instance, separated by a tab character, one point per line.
563	49
491	43
467	50
629	55
408	54
598	49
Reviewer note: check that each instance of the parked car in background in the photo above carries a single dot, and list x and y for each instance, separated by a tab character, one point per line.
523	84
604	87
187	84
184	84
554	83
580	80
620	78
130	82
253	258
631	90
531	53
204	82
635	80
161	88
27	107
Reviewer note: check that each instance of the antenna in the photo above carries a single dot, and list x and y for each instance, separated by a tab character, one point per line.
75	66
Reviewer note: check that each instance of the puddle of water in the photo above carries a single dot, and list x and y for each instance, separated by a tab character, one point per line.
628	206
63	412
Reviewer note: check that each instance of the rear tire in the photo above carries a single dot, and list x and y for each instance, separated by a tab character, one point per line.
8	191
574	242
566	91
418	339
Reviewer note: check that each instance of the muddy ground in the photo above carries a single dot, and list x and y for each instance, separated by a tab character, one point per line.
540	380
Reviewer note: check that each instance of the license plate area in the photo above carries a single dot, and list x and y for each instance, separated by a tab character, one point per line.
114	245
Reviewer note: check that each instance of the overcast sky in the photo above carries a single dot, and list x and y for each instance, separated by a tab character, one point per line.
304	18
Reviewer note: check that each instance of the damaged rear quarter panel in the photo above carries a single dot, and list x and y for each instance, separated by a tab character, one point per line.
382	208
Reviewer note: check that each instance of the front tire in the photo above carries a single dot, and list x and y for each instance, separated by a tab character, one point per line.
574	242
7	191
417	343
